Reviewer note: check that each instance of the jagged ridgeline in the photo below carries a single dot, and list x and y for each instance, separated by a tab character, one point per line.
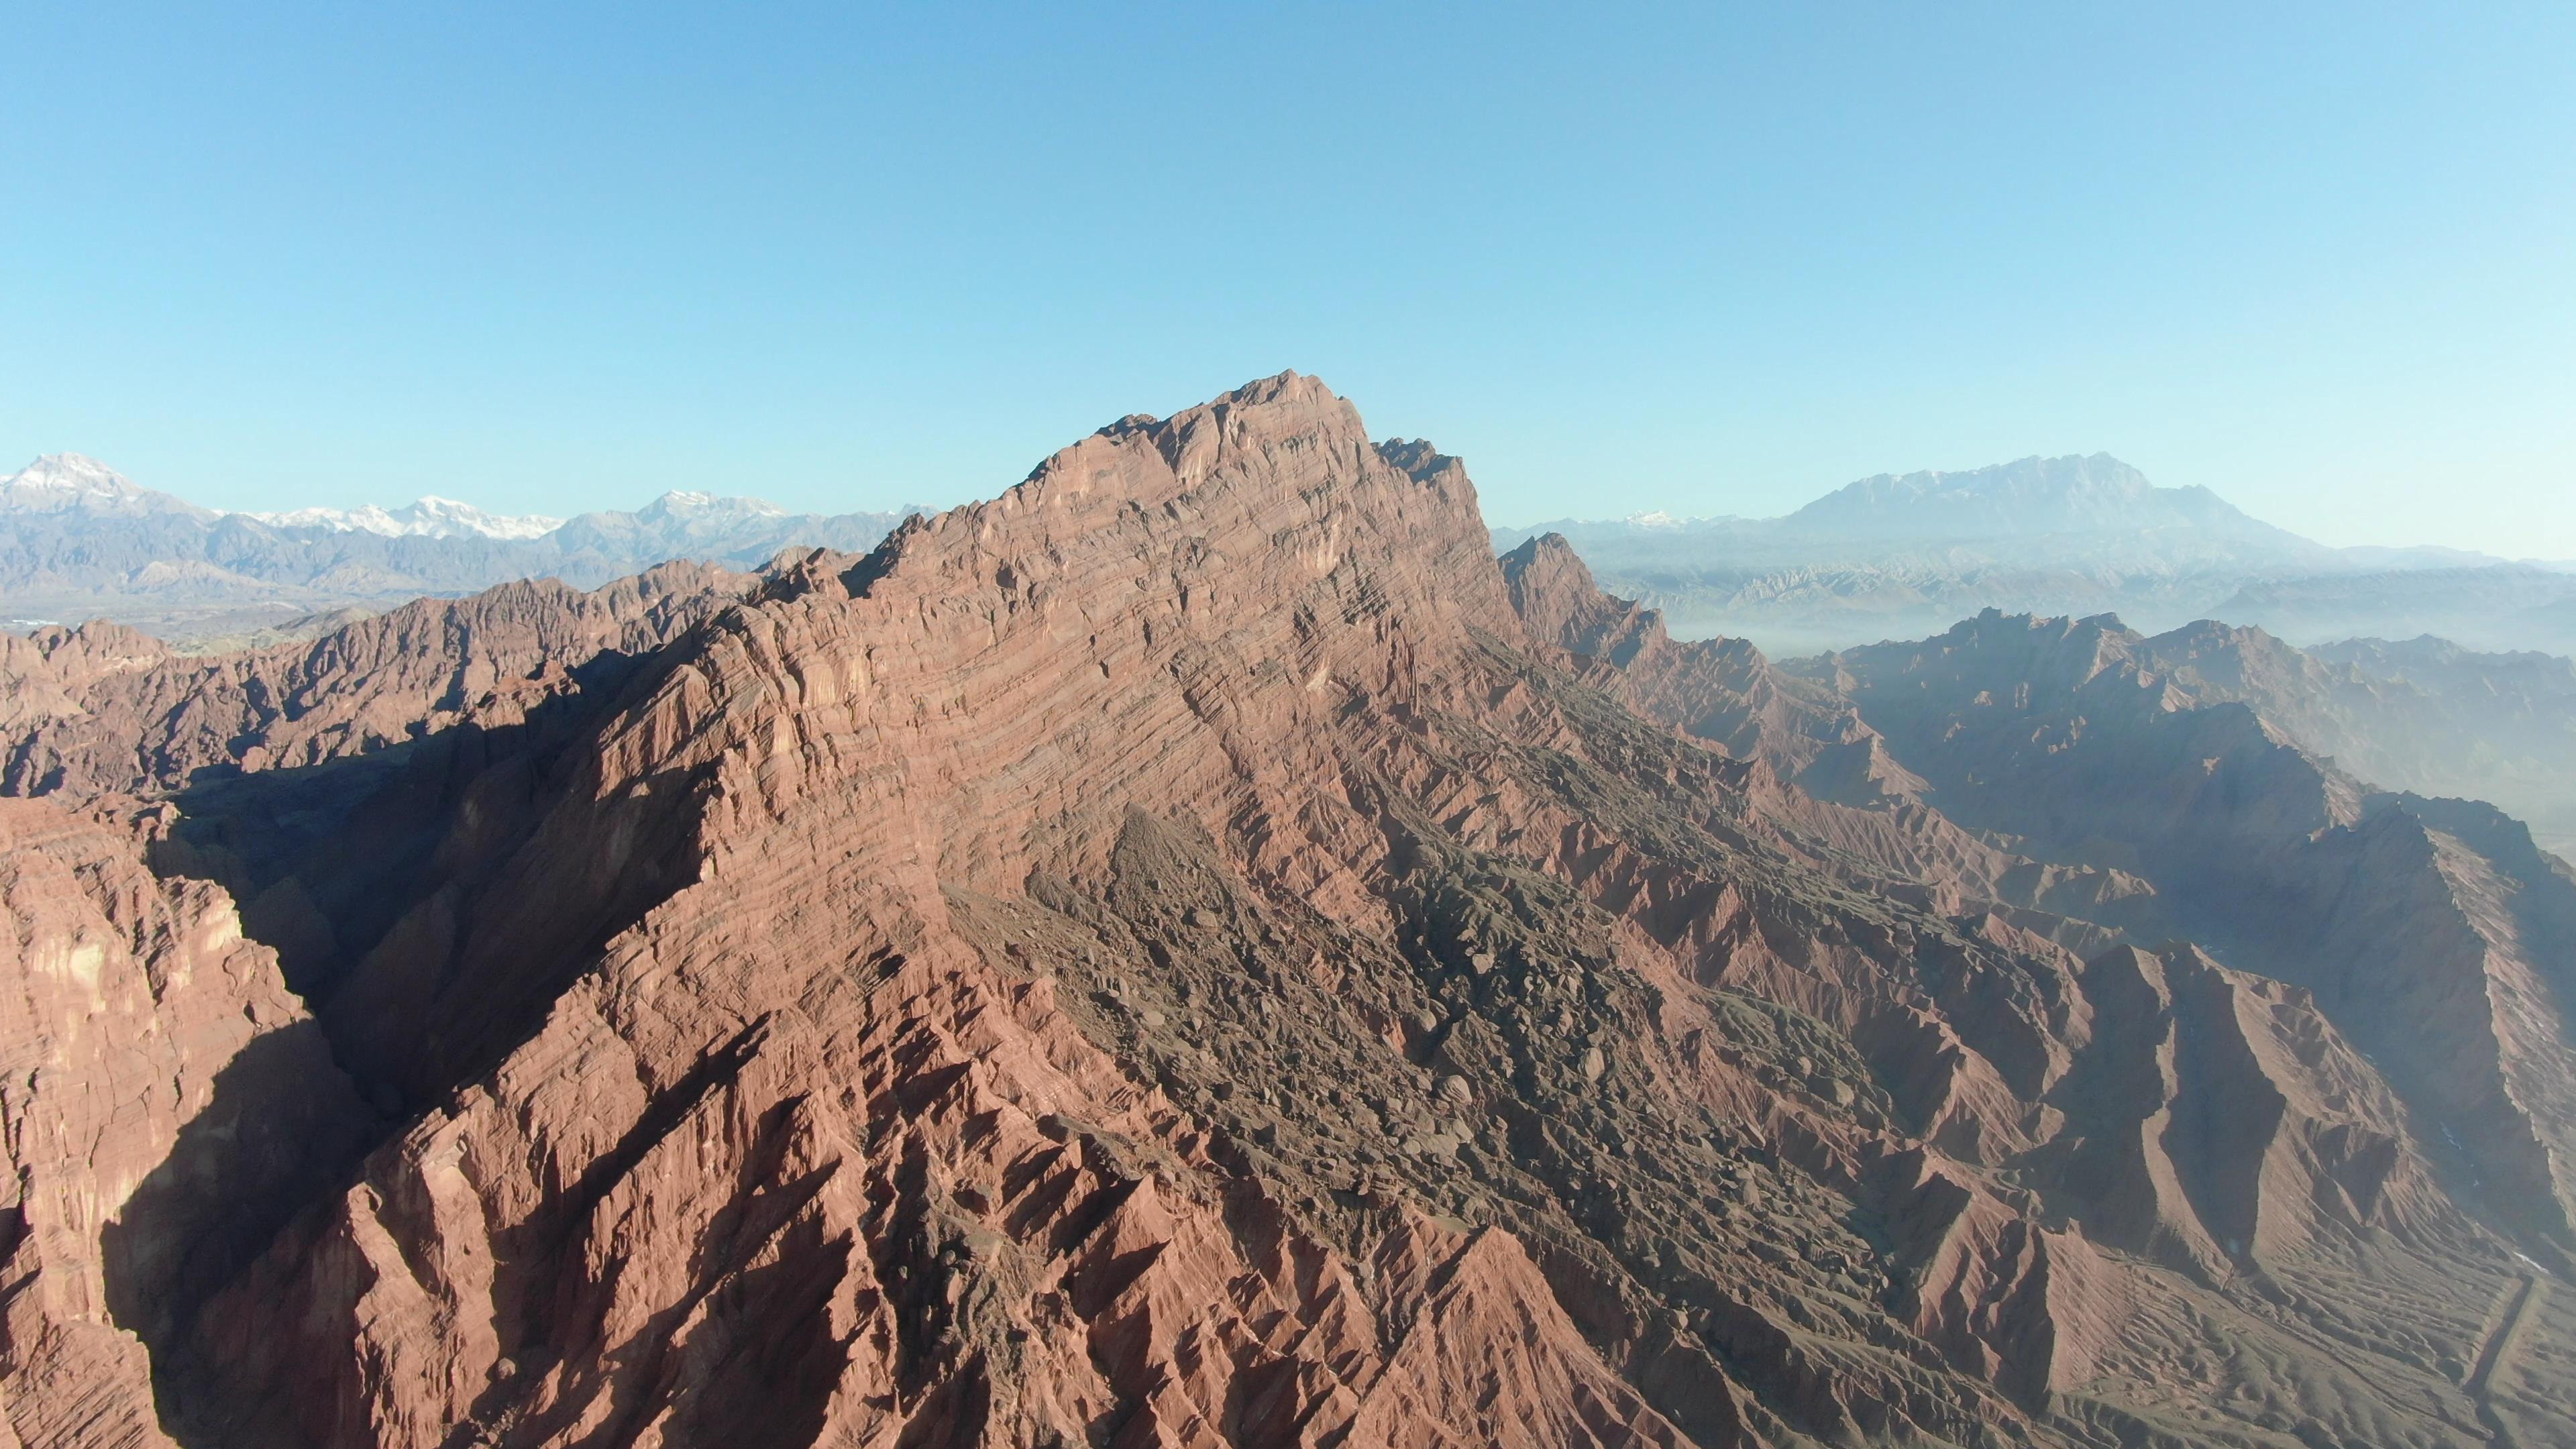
1197	951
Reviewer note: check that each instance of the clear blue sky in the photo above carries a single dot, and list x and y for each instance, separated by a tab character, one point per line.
2321	258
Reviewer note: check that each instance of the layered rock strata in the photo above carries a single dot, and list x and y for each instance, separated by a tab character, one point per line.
1193	951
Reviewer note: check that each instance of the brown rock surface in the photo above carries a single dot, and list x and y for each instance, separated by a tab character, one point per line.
162	1097
2433	932
102	708
1194	952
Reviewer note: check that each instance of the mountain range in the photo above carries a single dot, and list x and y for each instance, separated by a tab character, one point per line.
1895	557
1197	950
1889	556
433	516
79	540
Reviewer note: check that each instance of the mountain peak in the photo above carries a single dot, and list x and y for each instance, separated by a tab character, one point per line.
1278	459
2033	495
1285	410
688	502
75	483
1202	898
71	466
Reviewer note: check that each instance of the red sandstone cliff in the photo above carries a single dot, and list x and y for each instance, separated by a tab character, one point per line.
164	1099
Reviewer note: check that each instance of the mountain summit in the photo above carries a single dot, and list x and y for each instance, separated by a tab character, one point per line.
77	485
1903	555
1195	951
2033	496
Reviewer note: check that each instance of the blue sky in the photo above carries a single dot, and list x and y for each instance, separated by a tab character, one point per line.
2321	258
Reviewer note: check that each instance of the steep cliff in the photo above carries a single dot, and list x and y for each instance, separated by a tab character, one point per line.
164	1104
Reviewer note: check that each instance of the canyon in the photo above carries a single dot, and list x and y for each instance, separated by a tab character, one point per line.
1197	950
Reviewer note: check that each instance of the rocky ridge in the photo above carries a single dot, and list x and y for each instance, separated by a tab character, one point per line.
167	1102
1192	951
2434	930
80	541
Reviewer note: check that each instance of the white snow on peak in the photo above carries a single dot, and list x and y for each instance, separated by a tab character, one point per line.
690	500
77	483
431	517
73	473
71	483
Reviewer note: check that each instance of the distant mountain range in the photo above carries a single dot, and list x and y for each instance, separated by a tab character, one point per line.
432	516
1888	557
79	540
1904	556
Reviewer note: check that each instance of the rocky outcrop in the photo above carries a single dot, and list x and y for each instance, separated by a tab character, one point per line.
1722	691
1194	952
2424	716
44	675
111	711
163	1100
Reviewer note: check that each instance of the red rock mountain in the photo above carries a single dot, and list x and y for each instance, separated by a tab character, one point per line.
1196	951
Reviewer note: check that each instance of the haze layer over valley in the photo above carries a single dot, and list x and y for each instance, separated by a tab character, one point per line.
1895	557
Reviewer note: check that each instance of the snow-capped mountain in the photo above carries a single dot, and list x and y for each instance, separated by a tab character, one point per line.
79	540
70	483
430	517
686	501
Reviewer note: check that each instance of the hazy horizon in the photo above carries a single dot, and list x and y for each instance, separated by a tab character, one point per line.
879	501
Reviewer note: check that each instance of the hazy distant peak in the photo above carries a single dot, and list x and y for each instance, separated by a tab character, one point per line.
77	483
72	471
1936	533
680	501
2099	470
2028	496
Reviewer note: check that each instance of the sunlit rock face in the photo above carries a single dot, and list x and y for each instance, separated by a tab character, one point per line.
1197	951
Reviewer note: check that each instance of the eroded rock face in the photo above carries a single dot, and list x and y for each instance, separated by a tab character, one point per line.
2433	932
102	708
1193	951
165	1102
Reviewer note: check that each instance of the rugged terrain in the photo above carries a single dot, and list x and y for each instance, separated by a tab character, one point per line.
2421	714
2499	608
1197	951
